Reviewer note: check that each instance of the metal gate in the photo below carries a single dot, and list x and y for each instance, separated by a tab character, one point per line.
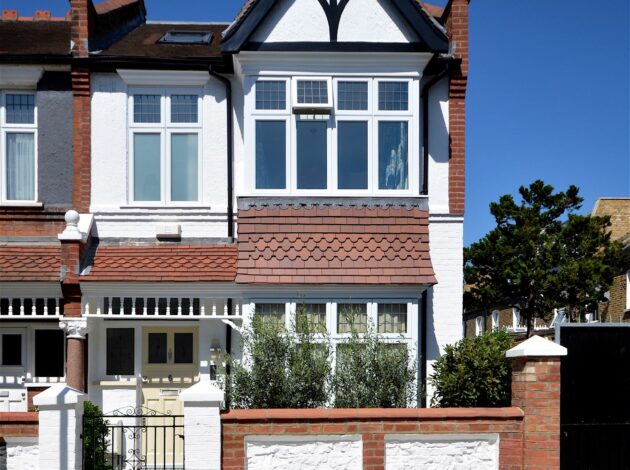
133	439
595	397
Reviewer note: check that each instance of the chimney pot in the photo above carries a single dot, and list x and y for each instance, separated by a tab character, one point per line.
42	14
9	14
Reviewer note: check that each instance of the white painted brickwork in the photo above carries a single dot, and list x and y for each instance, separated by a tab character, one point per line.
442	452
304	453
22	454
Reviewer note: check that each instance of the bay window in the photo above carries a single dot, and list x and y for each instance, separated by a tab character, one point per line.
323	135
165	146
18	162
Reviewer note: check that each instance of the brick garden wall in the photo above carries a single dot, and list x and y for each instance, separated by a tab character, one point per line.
19	424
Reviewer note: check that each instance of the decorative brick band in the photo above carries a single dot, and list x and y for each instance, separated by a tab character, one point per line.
19	424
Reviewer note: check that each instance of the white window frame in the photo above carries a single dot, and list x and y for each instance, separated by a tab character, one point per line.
372	116
516	319
166	129
8	128
294	89
496	315
479	326
22	333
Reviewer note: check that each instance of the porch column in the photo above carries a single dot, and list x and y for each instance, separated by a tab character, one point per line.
202	426
536	390
76	329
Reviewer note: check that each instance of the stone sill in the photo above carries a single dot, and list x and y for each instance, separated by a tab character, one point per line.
21	205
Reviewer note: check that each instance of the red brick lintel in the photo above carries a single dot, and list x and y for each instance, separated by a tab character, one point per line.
333	414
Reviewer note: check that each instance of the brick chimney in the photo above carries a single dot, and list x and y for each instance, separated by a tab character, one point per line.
456	21
82	17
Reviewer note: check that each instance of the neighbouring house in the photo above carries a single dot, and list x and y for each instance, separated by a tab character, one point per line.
163	182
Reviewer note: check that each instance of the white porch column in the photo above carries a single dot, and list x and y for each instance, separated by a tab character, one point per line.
60	423
202	426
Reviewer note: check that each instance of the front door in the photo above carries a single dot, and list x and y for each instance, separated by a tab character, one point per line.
169	366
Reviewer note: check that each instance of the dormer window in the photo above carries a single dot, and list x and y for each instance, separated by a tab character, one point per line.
186	37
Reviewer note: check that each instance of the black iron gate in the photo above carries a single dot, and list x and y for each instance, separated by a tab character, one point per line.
595	401
133	439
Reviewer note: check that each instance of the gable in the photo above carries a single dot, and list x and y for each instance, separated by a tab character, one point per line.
335	24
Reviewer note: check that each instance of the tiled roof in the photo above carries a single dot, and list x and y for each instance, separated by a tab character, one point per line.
35	38
30	263
185	263
333	245
111	5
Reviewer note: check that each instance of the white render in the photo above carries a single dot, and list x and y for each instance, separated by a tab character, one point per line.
438	452
438	148
115	216
22	453
343	452
294	20
373	21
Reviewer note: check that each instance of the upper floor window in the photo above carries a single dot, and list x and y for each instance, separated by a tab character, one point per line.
343	135
18	165
495	320
479	324
165	146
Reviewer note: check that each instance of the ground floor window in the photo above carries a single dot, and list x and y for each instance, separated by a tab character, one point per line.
49	353
120	351
11	349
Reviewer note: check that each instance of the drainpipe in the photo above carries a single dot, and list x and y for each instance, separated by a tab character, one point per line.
230	150
423	349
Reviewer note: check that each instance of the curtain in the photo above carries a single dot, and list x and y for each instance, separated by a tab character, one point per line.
20	166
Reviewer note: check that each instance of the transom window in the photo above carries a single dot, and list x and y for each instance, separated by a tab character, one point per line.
165	146
18	149
334	135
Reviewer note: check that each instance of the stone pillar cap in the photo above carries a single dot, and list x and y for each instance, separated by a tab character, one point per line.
59	394
537	346
203	391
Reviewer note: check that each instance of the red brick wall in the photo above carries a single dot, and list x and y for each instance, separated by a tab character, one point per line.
457	27
373	425
81	139
19	424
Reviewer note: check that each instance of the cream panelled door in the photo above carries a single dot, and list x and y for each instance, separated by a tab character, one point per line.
169	365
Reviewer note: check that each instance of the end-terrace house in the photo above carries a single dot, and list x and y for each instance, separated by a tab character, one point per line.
308	155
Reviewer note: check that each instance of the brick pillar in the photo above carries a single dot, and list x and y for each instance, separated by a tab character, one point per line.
82	109
82	16
457	27
536	390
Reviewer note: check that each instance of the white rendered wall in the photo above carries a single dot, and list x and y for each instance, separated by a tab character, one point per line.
438	148
115	217
294	21
372	21
441	452
445	299
304	453
22	453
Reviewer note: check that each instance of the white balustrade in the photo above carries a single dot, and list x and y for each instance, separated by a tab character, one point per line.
28	307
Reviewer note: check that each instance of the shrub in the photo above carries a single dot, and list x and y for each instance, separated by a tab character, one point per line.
95	438
474	372
282	369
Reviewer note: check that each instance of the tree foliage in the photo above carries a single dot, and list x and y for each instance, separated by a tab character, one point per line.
542	255
474	373
95	438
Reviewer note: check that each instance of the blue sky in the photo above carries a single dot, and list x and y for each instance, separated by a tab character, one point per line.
548	93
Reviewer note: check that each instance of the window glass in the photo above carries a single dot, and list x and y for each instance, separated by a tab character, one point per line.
352	96
49	353
20	109
312	91
146	167
20	166
11	350
351	318
183	348
314	314
393	155
393	96
352	155
184	167
157	348
271	94
312	154
120	351
392	318
147	108
271	154
273	314
184	108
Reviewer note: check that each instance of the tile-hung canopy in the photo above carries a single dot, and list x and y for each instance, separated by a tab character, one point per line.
303	244
30	263
432	37
168	263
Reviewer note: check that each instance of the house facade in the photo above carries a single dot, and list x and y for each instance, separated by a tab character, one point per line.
164	182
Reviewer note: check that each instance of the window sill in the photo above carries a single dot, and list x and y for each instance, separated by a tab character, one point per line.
120	383
21	205
165	207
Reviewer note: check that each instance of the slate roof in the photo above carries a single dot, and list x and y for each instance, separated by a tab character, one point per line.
47	37
333	245
170	263
30	263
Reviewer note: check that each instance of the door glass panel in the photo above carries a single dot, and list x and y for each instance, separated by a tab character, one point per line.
352	155
271	152
392	155
311	155
11	350
120	351
157	348
49	352
146	167
183	348
184	167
